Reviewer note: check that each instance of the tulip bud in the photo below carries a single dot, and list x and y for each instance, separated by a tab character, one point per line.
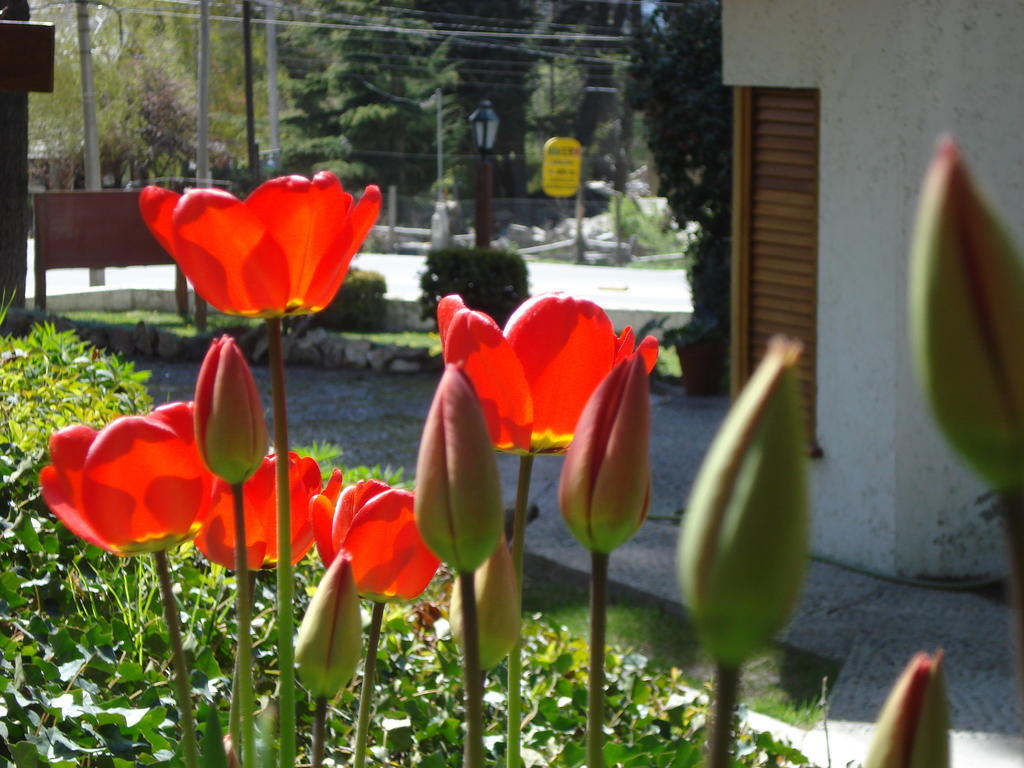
605	487
230	428
913	729
458	504
230	753
497	606
331	634
966	315
743	546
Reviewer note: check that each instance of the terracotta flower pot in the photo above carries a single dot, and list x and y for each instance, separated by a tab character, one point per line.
702	365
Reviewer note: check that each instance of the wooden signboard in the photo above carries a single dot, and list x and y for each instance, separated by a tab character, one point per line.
26	56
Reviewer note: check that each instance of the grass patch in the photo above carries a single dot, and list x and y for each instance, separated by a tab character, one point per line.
417	339
174	323
676	262
781	682
167	321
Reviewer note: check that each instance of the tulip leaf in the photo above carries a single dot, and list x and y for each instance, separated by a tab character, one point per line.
213	742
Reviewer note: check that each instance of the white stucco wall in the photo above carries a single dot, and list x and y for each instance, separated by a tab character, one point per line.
888	494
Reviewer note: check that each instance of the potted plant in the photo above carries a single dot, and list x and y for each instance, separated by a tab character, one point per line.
701	345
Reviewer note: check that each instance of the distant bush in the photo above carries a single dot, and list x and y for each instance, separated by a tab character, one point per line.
49	380
494	282
359	305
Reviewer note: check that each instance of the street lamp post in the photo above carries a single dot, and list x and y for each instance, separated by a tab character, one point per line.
484	122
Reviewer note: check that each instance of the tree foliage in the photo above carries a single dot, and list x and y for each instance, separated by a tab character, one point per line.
677	77
144	74
361	98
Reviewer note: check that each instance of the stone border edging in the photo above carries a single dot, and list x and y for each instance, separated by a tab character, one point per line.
304	344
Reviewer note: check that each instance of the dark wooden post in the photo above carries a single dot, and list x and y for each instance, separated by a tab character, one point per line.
26	64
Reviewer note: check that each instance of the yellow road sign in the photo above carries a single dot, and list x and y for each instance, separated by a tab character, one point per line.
560	175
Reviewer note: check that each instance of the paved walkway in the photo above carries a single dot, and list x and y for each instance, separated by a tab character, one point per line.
614	288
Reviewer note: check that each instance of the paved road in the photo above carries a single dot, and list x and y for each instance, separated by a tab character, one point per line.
610	287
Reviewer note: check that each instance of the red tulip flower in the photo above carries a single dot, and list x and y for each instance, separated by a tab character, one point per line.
534	378
375	524
284	250
216	539
137	485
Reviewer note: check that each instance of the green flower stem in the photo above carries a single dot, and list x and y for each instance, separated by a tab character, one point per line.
515	656
366	694
244	602
235	711
285	579
1013	516
182	688
595	700
727	683
319	731
473	756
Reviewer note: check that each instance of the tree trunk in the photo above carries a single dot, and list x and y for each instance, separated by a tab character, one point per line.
13	181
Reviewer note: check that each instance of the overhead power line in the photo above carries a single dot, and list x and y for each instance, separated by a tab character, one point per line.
458	38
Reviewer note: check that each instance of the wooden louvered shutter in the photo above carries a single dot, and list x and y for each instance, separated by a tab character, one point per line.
776	229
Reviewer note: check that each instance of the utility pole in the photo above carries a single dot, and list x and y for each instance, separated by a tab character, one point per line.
93	179
250	119
203	176
273	105
202	128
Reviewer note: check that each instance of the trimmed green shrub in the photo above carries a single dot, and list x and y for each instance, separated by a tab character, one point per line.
359	305
49	380
494	282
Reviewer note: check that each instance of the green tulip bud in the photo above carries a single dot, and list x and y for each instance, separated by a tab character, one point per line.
966	316
743	546
497	605
230	428
913	729
605	488
331	635
458	504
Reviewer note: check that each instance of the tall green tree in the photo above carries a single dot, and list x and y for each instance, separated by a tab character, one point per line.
361	98
677	79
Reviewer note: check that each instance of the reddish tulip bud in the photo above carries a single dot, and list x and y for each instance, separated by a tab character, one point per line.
497	606
606	479
966	315
331	635
458	490
230	754
913	729
230	428
743	547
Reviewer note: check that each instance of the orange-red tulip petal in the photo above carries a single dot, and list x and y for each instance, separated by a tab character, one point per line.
333	515
534	378
156	205
138	485
488	359
286	249
216	539
389	558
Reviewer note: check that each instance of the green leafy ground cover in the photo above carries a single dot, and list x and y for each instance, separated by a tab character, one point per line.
84	661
